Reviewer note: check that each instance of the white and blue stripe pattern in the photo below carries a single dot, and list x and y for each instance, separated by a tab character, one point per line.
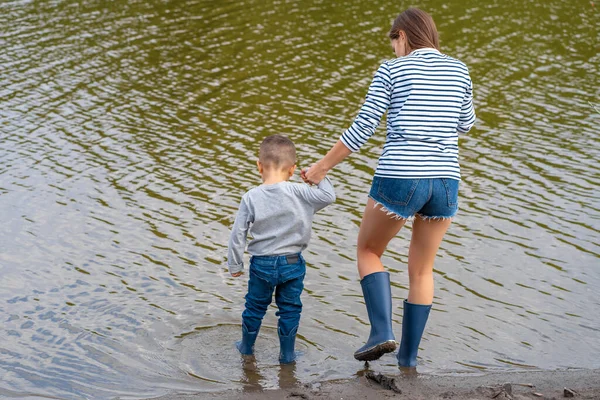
429	99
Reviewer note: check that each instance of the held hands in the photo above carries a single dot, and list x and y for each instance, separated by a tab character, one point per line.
313	175
236	274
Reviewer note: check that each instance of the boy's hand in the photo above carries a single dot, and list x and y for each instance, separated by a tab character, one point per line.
303	176
236	274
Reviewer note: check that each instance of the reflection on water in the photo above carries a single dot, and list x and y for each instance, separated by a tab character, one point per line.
129	132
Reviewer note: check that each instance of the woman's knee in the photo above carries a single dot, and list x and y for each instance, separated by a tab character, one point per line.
420	274
367	250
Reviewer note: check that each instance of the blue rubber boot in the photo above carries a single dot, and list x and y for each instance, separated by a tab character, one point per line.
413	324
246	345
287	353
378	299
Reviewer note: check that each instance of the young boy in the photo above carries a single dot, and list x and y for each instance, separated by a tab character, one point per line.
278	214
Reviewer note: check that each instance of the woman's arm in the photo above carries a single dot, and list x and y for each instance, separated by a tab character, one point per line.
316	173
376	104
467	112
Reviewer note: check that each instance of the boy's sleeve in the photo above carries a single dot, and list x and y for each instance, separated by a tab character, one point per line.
467	111
320	196
237	240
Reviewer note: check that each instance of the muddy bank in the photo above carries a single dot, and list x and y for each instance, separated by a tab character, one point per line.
578	384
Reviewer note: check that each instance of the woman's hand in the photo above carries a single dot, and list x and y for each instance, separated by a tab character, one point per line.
315	174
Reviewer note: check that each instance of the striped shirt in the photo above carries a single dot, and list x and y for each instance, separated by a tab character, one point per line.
429	99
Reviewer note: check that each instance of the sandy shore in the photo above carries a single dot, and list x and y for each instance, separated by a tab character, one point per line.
579	384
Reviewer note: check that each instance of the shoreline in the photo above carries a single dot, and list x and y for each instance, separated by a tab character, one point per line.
539	384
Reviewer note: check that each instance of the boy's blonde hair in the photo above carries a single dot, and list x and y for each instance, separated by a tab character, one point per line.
277	151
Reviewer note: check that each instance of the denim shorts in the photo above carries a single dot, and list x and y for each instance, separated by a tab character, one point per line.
429	198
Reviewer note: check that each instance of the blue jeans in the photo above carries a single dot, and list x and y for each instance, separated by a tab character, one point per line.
430	198
285	276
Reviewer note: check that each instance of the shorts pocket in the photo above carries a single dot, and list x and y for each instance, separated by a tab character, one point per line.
397	191
451	186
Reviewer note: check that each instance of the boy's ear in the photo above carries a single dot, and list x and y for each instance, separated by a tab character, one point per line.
259	166
291	170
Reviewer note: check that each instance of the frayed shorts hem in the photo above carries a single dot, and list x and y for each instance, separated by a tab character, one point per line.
411	217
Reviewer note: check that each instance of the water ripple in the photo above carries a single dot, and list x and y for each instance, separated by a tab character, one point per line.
130	132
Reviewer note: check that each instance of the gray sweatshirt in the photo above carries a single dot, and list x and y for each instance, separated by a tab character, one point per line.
279	218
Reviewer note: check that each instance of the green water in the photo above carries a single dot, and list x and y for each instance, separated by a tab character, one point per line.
129	132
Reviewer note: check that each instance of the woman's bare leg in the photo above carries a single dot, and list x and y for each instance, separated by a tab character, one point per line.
426	238
376	230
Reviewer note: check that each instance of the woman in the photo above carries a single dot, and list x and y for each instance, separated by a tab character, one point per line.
428	98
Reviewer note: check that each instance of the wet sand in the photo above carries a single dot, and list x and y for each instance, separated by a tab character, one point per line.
578	384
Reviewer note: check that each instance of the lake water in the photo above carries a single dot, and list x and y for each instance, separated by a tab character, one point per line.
129	131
